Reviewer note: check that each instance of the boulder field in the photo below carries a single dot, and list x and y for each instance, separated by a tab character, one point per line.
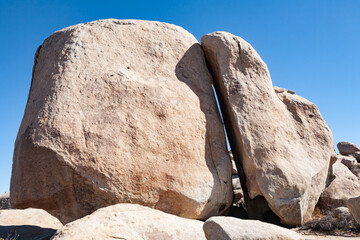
122	126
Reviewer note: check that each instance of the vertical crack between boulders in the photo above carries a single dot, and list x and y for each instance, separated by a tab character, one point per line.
235	140
257	208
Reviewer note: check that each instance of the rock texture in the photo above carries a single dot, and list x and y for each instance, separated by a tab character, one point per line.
347	148
279	140
354	206
229	228
344	186
5	201
348	161
121	111
131	221
28	224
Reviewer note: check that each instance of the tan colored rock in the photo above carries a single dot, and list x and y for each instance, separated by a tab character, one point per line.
347	148
131	221
344	186
27	224
229	228
280	140
356	170
121	111
348	161
5	201
354	206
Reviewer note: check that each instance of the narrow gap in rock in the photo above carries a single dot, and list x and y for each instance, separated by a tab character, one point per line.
256	208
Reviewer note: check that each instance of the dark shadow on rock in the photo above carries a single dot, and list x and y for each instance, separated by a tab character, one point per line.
26	232
188	71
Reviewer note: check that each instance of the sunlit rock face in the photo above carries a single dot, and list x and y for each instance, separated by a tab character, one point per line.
121	111
279	140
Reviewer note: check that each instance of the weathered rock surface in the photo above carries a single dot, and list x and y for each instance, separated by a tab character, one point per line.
121	111
355	169
131	221
229	228
28	224
348	161
270	132
354	206
5	201
347	148
344	186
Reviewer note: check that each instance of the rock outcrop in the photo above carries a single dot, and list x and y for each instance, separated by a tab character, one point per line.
229	228
131	221
28	224
281	144
344	186
121	111
347	148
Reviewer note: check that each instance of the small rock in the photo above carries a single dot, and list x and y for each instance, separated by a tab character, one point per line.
344	186
131	221
348	161
234	169
354	207
356	170
229	228
357	156
347	148
5	201
28	224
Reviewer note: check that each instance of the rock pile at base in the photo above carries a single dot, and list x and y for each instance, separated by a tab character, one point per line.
121	111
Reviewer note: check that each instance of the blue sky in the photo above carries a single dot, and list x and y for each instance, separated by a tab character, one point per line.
311	47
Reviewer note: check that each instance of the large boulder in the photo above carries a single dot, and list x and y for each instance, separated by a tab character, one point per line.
131	221
121	111
344	186
5	201
229	228
347	148
280	141
28	224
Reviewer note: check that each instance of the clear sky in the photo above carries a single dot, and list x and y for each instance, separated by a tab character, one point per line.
311	47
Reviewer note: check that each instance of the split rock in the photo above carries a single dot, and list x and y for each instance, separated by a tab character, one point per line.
279	139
